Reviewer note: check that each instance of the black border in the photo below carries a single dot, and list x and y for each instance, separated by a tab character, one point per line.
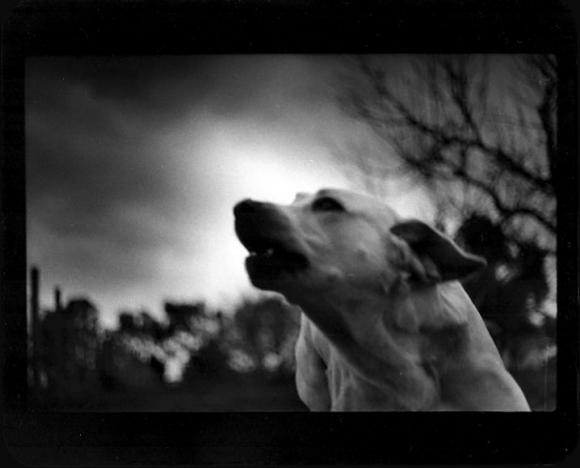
105	27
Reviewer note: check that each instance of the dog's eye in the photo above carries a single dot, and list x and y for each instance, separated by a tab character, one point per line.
327	204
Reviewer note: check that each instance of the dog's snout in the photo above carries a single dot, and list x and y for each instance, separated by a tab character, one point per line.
244	207
248	206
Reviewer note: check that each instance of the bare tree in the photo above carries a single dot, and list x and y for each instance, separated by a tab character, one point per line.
479	132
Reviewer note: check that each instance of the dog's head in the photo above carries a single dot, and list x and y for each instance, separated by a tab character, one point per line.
339	244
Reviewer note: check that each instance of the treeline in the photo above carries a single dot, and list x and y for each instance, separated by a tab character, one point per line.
258	336
75	357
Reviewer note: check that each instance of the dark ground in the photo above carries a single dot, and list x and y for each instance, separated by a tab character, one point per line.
251	393
231	393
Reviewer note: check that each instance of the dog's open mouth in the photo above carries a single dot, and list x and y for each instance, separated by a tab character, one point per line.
266	234
269	256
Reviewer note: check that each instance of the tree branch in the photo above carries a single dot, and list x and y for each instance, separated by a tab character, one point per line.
439	134
447	140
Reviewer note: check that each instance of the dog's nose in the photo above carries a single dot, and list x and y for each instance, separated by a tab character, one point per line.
246	206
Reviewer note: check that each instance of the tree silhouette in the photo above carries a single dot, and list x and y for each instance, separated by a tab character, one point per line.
478	131
70	339
266	330
511	290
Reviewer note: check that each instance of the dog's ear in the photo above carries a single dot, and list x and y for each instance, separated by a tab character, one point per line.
434	257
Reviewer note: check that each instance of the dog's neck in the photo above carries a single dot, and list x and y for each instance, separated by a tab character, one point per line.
358	331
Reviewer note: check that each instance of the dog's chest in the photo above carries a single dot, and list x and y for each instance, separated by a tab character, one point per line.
351	393
348	391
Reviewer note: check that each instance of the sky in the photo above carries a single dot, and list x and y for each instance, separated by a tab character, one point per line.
135	163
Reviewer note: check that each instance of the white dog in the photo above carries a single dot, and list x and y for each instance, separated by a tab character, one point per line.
386	326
